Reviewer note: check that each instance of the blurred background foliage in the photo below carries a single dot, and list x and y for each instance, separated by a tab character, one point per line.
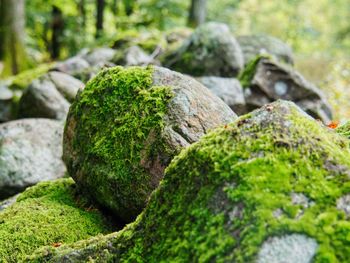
317	30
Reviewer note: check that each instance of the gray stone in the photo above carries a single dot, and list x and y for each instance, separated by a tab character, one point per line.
292	248
271	81
72	66
134	56
6	103
49	96
99	55
30	152
343	204
66	84
42	100
8	202
255	45
227	89
210	51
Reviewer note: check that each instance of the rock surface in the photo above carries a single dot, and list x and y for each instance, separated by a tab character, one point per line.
210	51
218	198
255	45
124	128
30	152
49	96
227	89
265	80
134	56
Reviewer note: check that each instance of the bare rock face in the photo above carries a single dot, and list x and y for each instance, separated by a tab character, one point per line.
125	127
256	45
134	56
265	80
30	152
227	89
210	51
49	96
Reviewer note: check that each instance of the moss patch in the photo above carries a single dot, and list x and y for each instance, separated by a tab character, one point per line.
248	73
344	129
115	114
219	197
46	214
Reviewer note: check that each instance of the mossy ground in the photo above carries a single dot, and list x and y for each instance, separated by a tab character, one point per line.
44	215
218	199
344	129
115	114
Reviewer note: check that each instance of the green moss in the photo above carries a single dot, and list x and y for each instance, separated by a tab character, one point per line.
248	73
218	198
119	123
148	41
45	214
22	80
344	129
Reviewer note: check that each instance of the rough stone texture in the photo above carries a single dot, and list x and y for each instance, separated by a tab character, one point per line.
255	45
7	202
49	96
210	51
288	249
126	126
134	56
266	80
30	152
218	198
343	203
66	84
227	89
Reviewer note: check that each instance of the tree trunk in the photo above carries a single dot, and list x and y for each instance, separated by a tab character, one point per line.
114	7
57	30
198	12
100	4
82	12
12	34
129	6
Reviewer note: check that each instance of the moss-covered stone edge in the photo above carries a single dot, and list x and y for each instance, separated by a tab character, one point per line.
119	125
171	227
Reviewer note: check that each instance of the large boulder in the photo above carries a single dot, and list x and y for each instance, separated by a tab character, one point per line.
49	96
210	51
227	89
30	152
51	214
124	128
273	186
265	80
134	56
256	45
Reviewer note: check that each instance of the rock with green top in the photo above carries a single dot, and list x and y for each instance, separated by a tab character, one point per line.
265	80
344	129
210	51
255	45
273	186
125	127
48	214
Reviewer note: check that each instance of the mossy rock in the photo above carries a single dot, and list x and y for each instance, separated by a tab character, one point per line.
273	186
344	129
126	125
48	214
265	80
210	51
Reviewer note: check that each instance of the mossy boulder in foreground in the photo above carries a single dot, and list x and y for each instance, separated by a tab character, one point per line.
46	215
125	127
344	129
273	186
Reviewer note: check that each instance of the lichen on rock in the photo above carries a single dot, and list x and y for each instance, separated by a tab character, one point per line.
47	214
218	198
125	127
